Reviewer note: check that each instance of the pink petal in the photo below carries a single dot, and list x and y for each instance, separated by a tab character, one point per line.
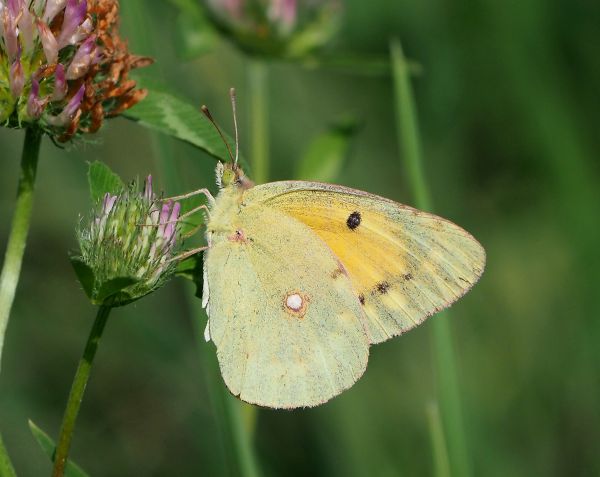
35	106
75	13
60	83
49	43
83	59
17	78
52	9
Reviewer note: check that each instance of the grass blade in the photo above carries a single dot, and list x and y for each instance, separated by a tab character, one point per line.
445	372
49	447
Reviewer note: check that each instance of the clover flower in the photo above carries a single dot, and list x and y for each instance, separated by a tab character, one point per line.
279	28
63	66
128	245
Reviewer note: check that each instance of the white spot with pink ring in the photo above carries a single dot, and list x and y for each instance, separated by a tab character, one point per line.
294	302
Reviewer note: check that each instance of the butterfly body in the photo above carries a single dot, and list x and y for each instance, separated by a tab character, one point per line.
301	277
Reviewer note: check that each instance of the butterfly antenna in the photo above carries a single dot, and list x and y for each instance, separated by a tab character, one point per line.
235	125
209	116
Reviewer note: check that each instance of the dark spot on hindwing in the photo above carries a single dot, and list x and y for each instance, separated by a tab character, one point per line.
353	220
336	273
361	298
408	276
339	271
382	287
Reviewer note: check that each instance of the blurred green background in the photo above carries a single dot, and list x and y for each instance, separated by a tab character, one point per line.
509	113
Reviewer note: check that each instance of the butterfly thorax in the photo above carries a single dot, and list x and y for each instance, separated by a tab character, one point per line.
224	213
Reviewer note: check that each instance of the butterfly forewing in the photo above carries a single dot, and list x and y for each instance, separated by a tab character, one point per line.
404	264
288	326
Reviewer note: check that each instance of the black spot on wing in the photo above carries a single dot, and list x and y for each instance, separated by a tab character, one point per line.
353	220
382	287
408	276
361	298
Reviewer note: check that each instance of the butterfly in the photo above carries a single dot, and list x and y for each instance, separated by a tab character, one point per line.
300	278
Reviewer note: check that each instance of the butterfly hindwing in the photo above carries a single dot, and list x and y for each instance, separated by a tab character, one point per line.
286	321
404	264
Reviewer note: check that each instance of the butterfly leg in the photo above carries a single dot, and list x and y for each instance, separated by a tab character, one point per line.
192	232
194	210
187	254
205	192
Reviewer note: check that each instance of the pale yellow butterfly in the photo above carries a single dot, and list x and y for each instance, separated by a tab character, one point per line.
300	278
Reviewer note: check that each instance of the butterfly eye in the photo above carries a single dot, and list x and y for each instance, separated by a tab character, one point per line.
228	177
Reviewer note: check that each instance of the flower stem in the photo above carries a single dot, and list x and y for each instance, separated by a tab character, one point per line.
243	430
80	380
19	228
259	124
438	442
240	458
445	366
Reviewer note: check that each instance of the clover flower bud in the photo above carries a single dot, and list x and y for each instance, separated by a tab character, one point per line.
128	245
276	28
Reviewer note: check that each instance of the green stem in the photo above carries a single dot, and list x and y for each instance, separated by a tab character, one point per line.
259	125
239	413
438	442
407	128
17	238
80	381
446	375
15	249
6	467
228	410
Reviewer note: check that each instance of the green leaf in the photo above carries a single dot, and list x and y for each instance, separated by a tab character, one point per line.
170	115
49	447
192	269
85	275
325	156
112	287
103	180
